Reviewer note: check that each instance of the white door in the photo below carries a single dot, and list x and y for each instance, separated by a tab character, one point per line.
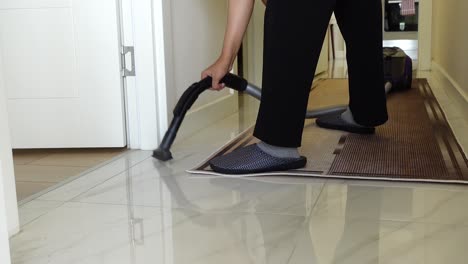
62	73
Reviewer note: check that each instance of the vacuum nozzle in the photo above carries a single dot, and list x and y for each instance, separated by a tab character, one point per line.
162	154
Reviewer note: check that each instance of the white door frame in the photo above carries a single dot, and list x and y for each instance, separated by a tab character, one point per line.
7	179
4	241
146	25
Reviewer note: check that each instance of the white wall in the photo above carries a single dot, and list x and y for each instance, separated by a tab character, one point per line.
6	173
450	40
198	31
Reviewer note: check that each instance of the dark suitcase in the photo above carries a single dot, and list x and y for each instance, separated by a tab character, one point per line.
398	68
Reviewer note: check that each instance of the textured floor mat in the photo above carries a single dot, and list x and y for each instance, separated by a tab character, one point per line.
416	144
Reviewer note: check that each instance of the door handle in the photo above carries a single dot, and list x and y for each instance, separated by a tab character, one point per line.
126	72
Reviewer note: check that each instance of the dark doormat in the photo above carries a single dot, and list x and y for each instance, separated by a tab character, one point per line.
416	144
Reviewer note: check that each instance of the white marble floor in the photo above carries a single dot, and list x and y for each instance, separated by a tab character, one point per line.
139	210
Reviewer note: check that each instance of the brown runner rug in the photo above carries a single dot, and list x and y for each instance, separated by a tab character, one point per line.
416	144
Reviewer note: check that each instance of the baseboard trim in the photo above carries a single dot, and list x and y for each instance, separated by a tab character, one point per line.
208	114
458	102
442	72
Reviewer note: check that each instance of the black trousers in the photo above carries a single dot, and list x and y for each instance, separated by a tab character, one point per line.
294	34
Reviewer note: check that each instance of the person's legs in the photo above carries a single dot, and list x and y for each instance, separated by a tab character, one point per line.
360	22
294	34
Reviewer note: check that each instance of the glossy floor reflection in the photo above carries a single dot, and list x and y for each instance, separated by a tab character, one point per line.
138	210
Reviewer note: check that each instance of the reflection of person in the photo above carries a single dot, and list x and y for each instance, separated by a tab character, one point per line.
359	241
294	34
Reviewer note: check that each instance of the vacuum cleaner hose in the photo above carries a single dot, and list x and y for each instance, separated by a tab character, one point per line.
186	101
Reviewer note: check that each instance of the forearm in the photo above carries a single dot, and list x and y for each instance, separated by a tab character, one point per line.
239	15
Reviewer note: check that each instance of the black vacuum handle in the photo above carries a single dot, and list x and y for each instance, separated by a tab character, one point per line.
191	94
232	81
235	82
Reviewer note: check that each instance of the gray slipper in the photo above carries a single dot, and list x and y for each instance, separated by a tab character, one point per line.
252	159
336	122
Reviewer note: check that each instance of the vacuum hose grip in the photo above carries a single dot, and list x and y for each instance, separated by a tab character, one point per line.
185	102
235	82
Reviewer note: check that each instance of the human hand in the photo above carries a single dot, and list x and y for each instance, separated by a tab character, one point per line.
217	71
